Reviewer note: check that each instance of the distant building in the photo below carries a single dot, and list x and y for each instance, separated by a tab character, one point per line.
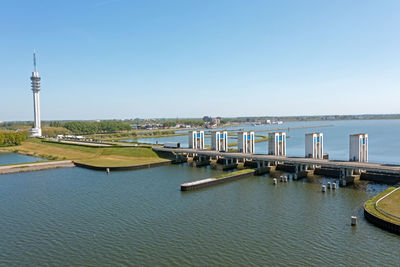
216	121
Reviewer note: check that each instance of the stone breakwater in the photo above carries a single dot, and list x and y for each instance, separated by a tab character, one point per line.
35	166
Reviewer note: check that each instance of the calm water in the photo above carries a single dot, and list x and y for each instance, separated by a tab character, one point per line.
74	216
12	158
79	217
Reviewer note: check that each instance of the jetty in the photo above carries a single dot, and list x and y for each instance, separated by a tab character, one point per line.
35	166
217	180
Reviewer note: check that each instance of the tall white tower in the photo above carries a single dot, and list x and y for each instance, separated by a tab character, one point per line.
37	131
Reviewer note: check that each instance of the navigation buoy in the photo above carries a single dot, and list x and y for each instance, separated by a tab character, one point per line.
108	170
333	185
323	188
353	220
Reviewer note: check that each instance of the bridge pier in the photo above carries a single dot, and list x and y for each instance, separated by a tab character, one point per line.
229	161
180	158
225	164
302	171
199	161
263	167
348	176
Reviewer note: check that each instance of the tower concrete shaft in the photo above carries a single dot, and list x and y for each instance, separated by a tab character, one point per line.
35	81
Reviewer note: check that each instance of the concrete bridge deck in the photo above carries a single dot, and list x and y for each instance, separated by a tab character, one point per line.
346	165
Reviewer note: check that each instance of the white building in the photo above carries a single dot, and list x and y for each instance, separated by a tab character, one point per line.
219	141
359	147
37	131
277	144
246	142
315	145
196	139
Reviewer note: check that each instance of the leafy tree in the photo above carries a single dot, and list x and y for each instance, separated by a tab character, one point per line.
11	138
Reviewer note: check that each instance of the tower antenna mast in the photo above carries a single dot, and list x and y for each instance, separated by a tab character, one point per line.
34	60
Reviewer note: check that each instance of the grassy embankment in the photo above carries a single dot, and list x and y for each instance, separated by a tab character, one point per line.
96	156
229	174
389	204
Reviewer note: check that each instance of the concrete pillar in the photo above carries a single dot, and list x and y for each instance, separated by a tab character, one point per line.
353	220
342	174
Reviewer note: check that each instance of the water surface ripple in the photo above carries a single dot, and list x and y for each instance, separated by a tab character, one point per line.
75	216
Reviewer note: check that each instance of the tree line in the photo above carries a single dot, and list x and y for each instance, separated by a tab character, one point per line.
11	138
92	127
192	122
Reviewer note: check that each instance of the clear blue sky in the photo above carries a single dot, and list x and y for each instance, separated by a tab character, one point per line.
104	59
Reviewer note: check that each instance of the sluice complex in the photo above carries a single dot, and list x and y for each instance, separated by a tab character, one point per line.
314	161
